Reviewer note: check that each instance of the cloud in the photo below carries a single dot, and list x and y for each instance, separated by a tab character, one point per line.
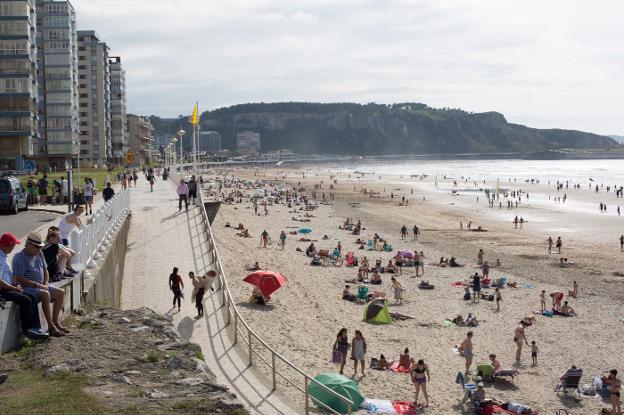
545	64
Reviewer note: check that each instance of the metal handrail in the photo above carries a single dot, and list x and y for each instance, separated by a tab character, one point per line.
232	311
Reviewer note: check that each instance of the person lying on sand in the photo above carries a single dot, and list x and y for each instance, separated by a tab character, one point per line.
254	267
244	234
471	320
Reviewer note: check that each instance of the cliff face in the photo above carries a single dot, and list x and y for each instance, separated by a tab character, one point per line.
375	129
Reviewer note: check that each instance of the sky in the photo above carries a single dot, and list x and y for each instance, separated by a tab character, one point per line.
545	64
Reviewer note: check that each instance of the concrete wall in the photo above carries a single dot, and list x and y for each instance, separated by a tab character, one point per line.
105	286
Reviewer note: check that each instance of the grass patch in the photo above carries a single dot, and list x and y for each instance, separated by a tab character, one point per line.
29	392
199	355
26	348
99	175
154	356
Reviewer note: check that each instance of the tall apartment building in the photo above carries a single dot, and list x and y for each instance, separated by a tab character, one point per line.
209	142
118	109
140	138
57	61
94	99
18	83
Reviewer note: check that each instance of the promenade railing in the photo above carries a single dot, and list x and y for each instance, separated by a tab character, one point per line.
93	239
255	344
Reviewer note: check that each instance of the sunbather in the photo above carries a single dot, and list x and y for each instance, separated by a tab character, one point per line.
347	294
453	263
383	364
566	309
471	320
376	279
405	361
254	267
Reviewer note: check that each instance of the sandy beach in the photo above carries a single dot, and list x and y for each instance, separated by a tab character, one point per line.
302	319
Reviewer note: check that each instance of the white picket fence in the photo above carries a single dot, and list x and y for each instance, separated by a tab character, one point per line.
93	239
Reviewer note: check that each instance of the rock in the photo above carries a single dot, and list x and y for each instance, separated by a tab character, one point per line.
74	363
107	393
151	322
63	367
142	330
156	394
119	378
169	332
133	372
124	320
173	363
190	381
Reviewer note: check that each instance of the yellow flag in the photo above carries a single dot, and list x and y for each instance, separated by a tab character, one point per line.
194	118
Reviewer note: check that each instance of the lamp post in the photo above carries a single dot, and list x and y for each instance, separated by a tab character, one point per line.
181	135
172	144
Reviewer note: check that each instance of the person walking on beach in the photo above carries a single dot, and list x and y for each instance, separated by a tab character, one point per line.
534	350
341	345
615	389
398	290
416	231
403	232
417	260
498	297
485	269
420	375
358	352
480	257
550	244
183	195
465	349
622	243
264	238
283	239
519	337
476	287
176	285
559	244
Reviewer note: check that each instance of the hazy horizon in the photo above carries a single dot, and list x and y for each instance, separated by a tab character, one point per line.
545	65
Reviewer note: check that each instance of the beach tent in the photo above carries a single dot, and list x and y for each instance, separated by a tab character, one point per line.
305	230
342	385
377	312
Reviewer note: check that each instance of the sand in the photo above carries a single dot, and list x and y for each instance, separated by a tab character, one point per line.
302	319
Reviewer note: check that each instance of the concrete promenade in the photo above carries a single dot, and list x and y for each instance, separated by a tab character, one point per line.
161	238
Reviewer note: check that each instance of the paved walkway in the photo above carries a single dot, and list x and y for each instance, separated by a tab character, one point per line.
161	238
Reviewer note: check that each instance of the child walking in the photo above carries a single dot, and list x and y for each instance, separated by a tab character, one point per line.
534	351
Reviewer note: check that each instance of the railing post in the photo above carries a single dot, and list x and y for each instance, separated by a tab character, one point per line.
235	328
274	371
307	397
250	348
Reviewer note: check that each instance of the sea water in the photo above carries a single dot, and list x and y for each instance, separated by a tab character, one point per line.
607	172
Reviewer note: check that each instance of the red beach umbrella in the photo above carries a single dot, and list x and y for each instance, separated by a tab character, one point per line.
267	281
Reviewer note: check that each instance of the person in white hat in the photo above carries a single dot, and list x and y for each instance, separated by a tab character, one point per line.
30	271
479	394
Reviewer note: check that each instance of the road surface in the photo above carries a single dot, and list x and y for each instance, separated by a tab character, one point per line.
25	222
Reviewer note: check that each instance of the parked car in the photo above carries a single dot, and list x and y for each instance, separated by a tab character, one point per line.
13	197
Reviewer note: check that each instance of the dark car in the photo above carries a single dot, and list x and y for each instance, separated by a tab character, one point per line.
13	197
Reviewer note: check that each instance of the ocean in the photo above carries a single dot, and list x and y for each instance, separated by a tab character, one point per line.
607	172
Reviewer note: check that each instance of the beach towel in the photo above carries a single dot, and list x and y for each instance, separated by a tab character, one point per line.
405	408
395	368
448	323
378	406
458	284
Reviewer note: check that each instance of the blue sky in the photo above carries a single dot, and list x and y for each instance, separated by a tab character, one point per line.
541	63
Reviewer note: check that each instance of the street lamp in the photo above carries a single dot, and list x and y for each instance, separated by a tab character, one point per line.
173	154
181	134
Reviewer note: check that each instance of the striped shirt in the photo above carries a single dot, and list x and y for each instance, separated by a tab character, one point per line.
30	267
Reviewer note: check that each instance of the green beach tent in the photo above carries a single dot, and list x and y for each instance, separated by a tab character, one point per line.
377	312
340	384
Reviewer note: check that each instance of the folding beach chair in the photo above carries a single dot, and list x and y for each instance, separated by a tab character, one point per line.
571	381
362	294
